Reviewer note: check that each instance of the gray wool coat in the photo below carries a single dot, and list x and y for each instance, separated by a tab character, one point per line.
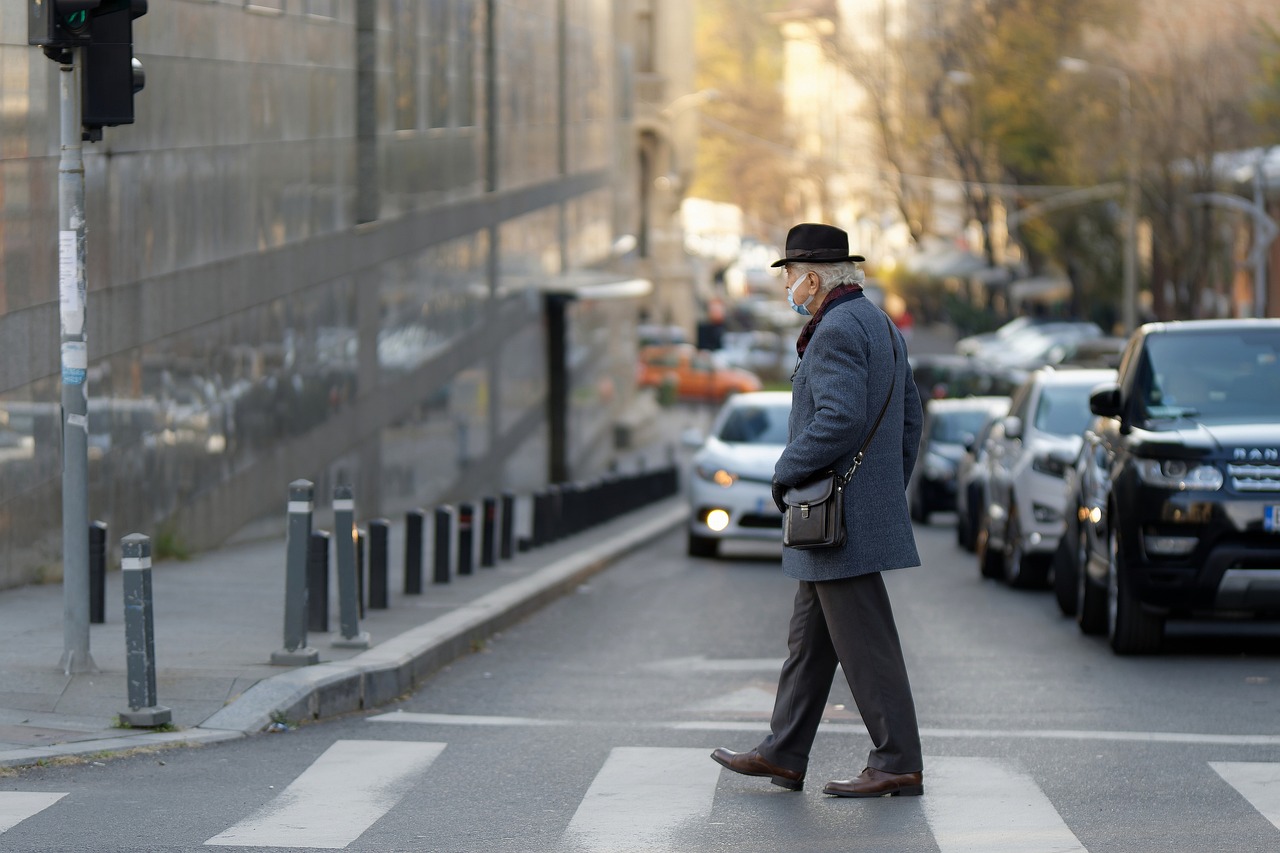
836	394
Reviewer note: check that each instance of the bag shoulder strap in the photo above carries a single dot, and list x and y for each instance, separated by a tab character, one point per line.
857	460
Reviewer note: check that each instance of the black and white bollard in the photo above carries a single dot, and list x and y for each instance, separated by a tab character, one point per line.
139	636
414	521
506	546
488	533
442	570
318	582
296	652
379	540
466	538
344	531
97	572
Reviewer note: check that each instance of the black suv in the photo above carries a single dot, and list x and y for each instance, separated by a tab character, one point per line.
1187	515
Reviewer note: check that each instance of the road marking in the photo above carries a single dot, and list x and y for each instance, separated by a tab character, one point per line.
1190	738
748	700
461	720
337	798
978	805
1257	781
702	663
17	806
641	798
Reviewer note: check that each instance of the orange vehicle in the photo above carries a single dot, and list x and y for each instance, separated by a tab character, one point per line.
695	372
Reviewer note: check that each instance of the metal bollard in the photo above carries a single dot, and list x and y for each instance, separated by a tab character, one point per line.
466	538
443	538
297	542
508	528
318	582
97	572
139	633
379	536
344	529
488	533
362	541
414	521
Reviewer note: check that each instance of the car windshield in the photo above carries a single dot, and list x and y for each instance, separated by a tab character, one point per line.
751	424
1221	375
1063	409
956	427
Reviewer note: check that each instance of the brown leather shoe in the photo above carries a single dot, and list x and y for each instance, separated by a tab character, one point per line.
877	783
751	764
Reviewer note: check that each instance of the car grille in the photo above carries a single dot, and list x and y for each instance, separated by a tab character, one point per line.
763	521
1255	478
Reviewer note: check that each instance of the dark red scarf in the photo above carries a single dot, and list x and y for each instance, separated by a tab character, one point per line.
833	298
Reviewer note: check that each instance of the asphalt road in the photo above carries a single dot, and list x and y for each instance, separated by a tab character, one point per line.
587	728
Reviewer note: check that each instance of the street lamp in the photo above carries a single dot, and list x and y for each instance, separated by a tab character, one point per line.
1129	297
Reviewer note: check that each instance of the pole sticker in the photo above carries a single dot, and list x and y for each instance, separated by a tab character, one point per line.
70	297
75	362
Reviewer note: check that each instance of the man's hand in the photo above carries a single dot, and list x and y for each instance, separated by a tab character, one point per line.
779	490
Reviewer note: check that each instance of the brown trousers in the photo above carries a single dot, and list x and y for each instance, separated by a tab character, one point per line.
850	622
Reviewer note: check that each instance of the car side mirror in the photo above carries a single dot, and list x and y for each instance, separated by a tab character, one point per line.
1013	427
1105	401
970	442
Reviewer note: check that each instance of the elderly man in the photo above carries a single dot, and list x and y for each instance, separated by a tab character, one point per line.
852	382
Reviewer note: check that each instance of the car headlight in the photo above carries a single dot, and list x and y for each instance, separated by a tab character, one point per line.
1179	474
1050	465
714	474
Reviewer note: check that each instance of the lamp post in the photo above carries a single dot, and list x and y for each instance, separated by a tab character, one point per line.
1129	291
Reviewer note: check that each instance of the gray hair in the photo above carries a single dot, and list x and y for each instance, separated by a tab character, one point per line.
832	276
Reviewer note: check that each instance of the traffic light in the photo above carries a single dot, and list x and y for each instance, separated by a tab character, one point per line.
111	76
59	24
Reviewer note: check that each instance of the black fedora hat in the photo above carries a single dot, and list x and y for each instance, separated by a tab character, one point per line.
813	243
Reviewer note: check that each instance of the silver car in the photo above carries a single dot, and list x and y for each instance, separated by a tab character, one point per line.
729	484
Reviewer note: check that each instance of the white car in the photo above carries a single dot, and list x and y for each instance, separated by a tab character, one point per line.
1029	452
730	494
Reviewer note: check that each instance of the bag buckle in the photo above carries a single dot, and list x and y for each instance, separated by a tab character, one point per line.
804	510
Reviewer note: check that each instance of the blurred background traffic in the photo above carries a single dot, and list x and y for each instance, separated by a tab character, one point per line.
438	249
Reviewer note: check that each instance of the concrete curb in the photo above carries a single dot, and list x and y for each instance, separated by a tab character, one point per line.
390	669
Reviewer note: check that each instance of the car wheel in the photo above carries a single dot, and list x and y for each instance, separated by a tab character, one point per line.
1065	568
990	560
1091	603
1130	629
1021	571
703	546
967	522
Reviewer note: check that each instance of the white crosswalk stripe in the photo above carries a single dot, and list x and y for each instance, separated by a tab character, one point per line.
980	805
1258	782
343	793
17	806
641	798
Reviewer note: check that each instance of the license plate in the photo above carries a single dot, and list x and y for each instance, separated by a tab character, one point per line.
1271	519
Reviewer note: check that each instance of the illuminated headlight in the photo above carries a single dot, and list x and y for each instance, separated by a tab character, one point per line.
717	520
712	474
938	467
1177	474
1045	514
1049	465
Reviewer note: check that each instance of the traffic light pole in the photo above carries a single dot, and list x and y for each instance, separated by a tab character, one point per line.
75	363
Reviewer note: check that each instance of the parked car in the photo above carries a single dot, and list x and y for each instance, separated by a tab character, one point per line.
696	374
1031	450
1040	345
1186	522
730	494
949	427
971	478
940	375
975	345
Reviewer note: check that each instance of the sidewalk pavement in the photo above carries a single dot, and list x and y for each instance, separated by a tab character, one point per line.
219	616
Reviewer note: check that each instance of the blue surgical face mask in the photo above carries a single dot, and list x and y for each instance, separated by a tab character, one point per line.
802	310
